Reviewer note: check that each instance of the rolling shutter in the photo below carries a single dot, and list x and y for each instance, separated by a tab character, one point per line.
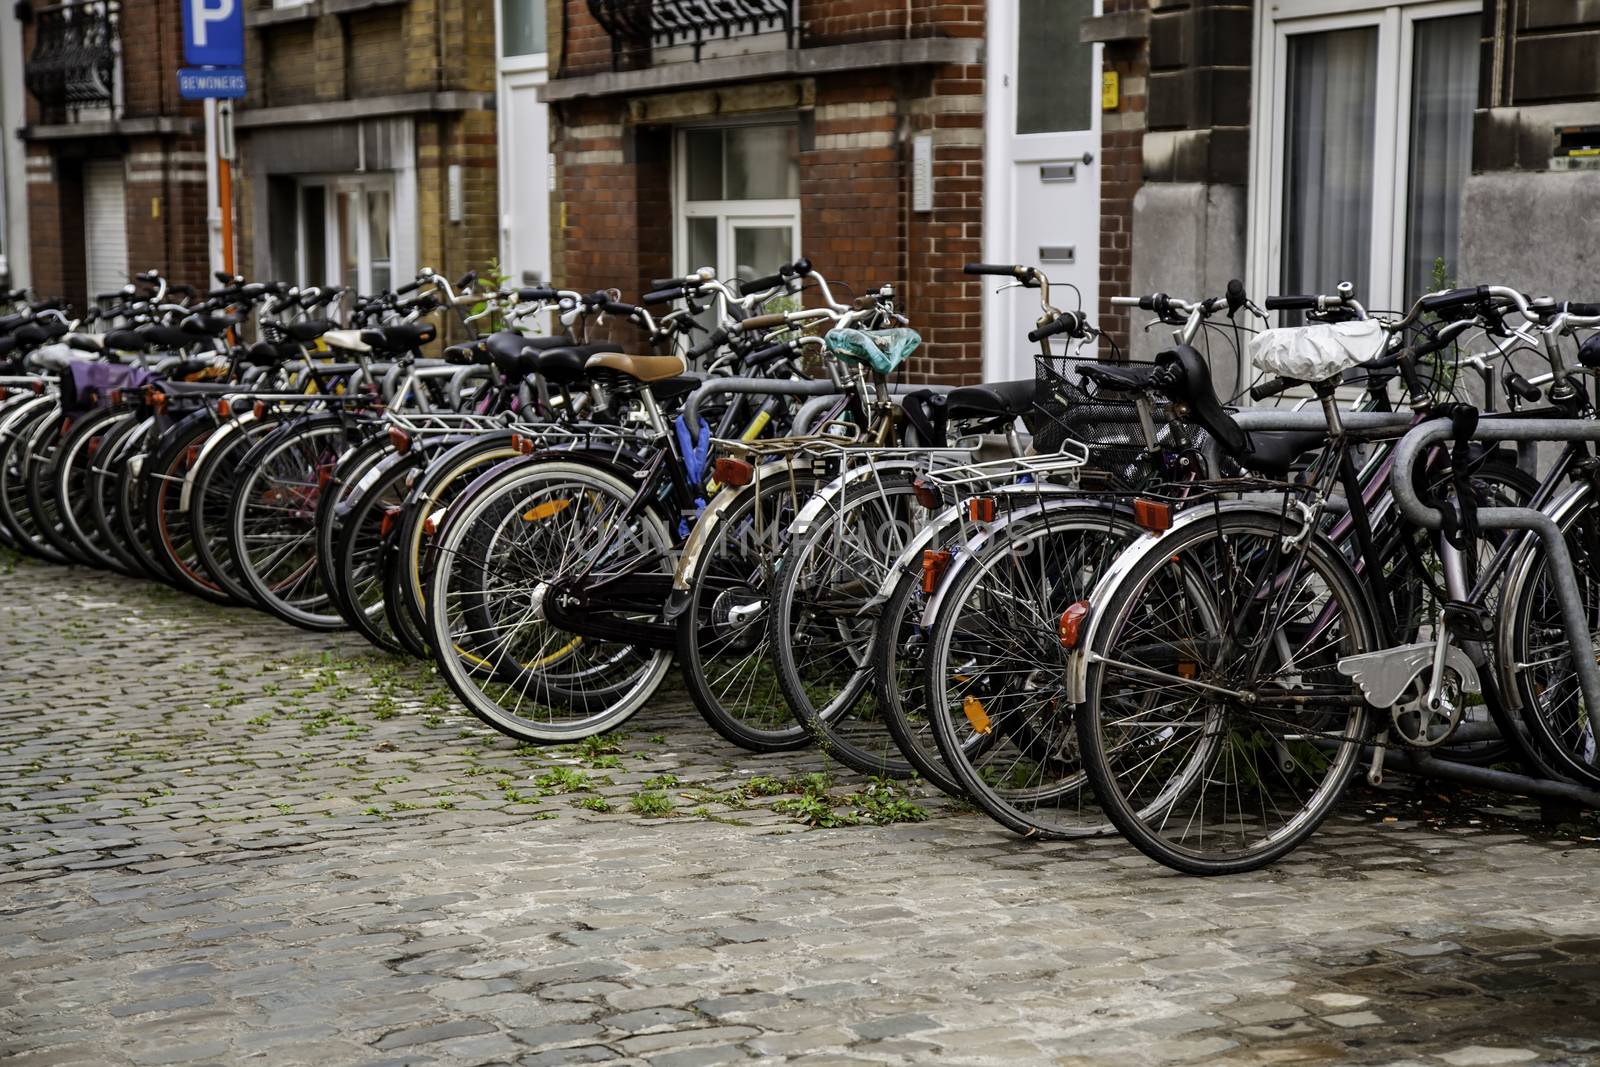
105	227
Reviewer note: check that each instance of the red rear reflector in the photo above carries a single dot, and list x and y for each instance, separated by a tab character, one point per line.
260	409
521	445
191	454
1152	515
390	517
116	397
926	496
224	409
731	471
934	563
981	509
1071	623
400	440
94	446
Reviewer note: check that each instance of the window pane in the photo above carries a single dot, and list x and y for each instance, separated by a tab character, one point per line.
522	27
1055	71
703	160
702	250
1444	90
378	208
760	250
283	226
314	220
761	162
1328	160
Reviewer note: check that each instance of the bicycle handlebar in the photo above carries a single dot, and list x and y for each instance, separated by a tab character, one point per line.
1072	323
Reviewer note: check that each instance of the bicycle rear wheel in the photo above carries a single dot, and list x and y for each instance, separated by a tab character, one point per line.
1216	727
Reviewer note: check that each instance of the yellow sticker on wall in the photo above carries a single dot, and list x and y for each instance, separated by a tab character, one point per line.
1110	90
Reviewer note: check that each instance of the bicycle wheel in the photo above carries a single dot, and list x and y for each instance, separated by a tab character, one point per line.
1215	726
1536	653
165	476
995	673
39	474
344	483
18	517
100	488
131	510
363	530
213	483
724	640
513	534
271	527
821	639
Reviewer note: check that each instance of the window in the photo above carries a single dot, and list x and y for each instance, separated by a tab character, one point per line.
1364	147
522	28
336	230
738	199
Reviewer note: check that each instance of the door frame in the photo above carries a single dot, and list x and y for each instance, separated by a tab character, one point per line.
520	73
999	170
1396	24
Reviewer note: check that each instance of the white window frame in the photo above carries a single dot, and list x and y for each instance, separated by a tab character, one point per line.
1396	24
331	185
520	72
731	214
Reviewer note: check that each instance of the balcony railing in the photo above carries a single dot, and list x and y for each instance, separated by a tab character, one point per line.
77	53
636	25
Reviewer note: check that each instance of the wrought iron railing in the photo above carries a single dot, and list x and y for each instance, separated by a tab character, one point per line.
76	58
636	25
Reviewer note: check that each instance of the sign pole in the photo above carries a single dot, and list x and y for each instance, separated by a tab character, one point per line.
225	179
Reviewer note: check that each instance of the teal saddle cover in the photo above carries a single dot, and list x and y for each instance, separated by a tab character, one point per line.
882	350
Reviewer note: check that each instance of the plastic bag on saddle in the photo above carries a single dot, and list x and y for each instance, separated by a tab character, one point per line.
883	350
1317	351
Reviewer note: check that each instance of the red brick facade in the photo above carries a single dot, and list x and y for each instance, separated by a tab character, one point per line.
158	139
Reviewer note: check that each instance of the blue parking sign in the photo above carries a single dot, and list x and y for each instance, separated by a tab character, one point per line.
221	83
213	32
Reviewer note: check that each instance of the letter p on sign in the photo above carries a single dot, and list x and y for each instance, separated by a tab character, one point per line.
213	33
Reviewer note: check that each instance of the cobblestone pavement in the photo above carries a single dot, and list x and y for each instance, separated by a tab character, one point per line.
228	841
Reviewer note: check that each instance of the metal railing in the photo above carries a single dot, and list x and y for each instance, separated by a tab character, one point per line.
634	26
76	59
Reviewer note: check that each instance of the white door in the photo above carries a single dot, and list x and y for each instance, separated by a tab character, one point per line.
524	177
105	227
1043	131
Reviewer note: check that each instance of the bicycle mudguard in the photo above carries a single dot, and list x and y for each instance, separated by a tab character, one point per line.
208	448
705	527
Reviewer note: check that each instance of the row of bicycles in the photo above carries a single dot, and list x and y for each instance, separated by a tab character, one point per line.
1099	599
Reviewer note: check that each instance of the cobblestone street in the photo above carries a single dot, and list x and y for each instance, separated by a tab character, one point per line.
227	841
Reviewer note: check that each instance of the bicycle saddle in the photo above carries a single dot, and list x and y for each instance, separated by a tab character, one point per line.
400	337
1191	385
563	366
673	388
11	322
307	330
992	400
125	341
207	325
158	336
263	354
648	369
1124	377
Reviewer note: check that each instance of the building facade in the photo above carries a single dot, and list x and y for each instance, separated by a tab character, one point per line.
114	162
13	175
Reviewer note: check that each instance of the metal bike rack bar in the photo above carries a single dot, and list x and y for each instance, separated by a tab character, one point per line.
811	409
775	387
1566	584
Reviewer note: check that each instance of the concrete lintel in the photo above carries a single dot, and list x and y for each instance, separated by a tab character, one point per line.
863	55
260	18
156	125
362	108
1120	26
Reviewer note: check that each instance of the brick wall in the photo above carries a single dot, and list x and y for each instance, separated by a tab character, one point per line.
1121	169
613	209
166	209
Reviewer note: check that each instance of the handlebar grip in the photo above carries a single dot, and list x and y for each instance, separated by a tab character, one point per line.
1454	298
466	280
665	283
1271	388
710	344
1070	322
1236	295
185	289
1522	387
613	307
755	285
801	267
1573	307
409	287
536	292
661	296
1291	303
1004	270
763	322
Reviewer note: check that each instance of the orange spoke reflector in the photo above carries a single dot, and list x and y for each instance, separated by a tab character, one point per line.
540	512
224	409
934	563
400	440
733	471
1153	515
981	509
973	708
926	495
1071	625
1186	668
